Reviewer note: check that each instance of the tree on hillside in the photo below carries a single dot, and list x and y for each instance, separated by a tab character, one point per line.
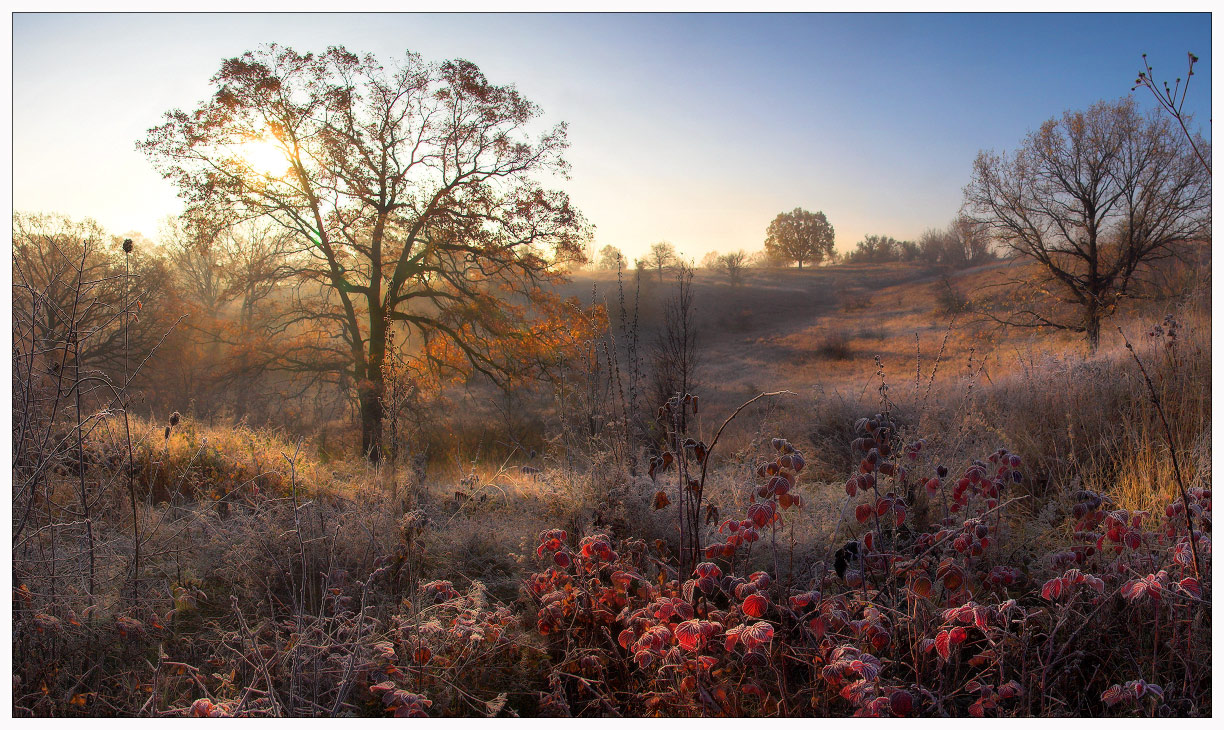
661	256
875	249
412	193
963	242
799	236
1092	197
611	258
764	259
732	265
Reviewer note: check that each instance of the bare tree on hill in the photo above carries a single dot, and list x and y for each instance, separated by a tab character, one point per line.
1092	197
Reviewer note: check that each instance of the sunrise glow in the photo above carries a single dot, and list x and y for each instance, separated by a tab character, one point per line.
265	155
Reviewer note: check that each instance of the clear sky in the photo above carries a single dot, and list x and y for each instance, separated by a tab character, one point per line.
696	129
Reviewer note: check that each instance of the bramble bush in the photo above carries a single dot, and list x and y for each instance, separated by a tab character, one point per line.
946	621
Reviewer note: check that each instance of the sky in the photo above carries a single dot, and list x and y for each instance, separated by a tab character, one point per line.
696	129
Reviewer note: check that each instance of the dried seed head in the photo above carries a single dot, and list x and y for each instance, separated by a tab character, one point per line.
127	245
174	418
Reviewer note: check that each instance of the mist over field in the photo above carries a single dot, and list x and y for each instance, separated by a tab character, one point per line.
382	423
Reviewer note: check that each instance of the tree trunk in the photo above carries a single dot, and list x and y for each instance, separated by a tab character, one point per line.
1092	326
370	399
371	388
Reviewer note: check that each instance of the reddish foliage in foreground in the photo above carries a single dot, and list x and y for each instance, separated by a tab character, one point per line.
919	622
933	608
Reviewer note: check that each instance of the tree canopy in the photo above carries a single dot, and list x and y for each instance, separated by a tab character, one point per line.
661	256
611	258
800	236
412	193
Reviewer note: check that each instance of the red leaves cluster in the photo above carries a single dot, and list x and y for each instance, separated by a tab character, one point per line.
1152	586
1132	691
777	494
399	702
1056	587
989	697
205	707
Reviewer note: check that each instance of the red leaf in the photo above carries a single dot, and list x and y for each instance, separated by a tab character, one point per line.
758	633
980	617
756	605
689	635
901	702
1051	590
625	638
941	644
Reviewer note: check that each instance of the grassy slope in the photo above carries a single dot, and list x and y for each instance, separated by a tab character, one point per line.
1078	423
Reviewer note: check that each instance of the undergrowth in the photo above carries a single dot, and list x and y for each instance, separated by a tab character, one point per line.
899	563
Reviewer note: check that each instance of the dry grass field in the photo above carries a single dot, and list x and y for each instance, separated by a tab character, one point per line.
936	518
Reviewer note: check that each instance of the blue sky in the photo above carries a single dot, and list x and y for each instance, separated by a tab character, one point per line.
696	129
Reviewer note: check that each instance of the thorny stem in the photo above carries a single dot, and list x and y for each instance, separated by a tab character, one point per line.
717	434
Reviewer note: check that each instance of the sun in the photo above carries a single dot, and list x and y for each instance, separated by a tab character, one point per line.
264	155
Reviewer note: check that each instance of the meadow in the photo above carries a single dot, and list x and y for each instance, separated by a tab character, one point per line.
866	500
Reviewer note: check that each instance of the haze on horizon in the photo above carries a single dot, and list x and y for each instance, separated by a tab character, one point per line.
695	129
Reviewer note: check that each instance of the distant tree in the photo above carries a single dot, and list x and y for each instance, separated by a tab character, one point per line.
971	241
611	258
674	354
414	192
799	236
661	256
709	261
940	246
932	246
732	265
241	263
963	242
230	276
1092	197
763	259
874	249
71	276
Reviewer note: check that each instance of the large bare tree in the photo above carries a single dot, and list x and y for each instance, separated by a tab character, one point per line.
413	193
1092	196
